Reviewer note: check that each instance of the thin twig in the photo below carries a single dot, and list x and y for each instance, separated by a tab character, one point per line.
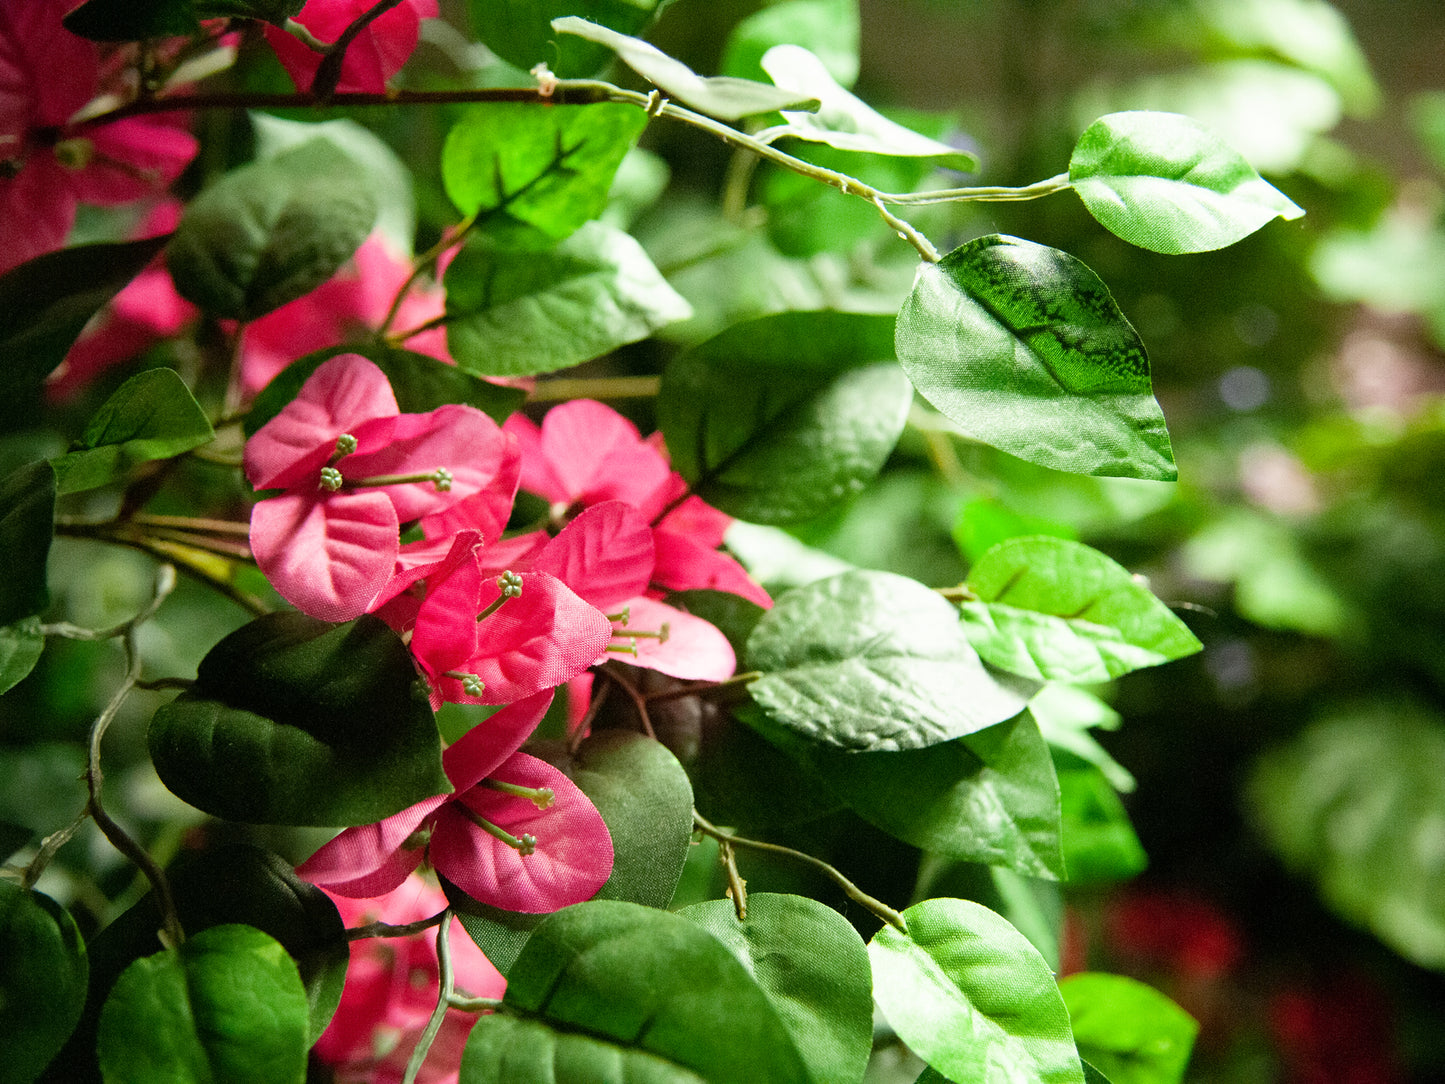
434	1024
384	929
604	387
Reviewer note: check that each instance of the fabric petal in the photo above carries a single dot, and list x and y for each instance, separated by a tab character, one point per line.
370	859
133	158
684	565
604	555
573	856
478	752
694	649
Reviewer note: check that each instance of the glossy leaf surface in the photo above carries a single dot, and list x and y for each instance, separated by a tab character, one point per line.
43	973
1022	347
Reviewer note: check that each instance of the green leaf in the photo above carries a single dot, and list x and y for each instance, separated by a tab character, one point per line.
225	1005
1065	715
520	31
21	644
27	525
1166	183
725	97
420	384
1057	610
295	721
779	418
272	230
1099	842
132	20
1354	802
813	967
1129	1030
629	993
990	797
153	415
872	661
271	11
1022	347
549	169
43	975
971	996
828	27
842	120
514	313
46	302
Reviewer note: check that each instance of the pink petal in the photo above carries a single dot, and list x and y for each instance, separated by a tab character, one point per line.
537	473
490	507
134	158
373	58
684	565
328	555
37	209
370	859
445	634
598	455
694	649
478	752
46	72
337	398
698	520
573	856
604	555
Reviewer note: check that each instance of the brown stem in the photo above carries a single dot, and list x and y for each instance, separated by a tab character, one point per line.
383	929
323	85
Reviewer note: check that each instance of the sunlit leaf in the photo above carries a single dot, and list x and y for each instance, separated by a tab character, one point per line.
828	27
1129	1030
1099	841
21	645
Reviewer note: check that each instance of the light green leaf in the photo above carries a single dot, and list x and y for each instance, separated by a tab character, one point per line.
828	27
969	994
1022	347
226	1005
45	303
1166	183
722	96
1356	802
1056	610
1099	841
296	721
1065	715
153	415
778	419
272	230
873	661
27	526
842	120
549	169
515	313
611	990
21	644
1129	1030
813	967
43	974
520	31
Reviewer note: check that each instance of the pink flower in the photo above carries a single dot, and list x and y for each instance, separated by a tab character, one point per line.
585	452
49	161
392	985
353	469
374	57
516	833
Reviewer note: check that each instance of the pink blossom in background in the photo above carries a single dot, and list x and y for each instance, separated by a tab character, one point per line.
572	849
374	57
329	542
392	985
51	163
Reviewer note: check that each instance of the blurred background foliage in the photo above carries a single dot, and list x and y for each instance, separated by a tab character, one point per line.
1290	779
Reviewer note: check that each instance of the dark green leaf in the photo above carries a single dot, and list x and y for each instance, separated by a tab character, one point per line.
43	974
1131	1031
13	837
45	303
153	415
871	661
272	230
725	97
516	313
420	384
27	525
779	418
226	1005
989	797
1057	610
630	993
1093	1075
970	995
21	643
1355	802
828	27
1099	842
813	967
132	20
549	169
295	721
520	31
740	780
271	11
1166	183
1022	347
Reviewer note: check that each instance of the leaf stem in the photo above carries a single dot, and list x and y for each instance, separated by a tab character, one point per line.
854	893
601	387
434	1024
384	929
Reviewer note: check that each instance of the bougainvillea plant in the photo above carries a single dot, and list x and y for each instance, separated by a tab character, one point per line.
495	712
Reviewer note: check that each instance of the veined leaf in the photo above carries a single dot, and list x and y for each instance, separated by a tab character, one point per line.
1022	347
21	645
1166	183
1127	1029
